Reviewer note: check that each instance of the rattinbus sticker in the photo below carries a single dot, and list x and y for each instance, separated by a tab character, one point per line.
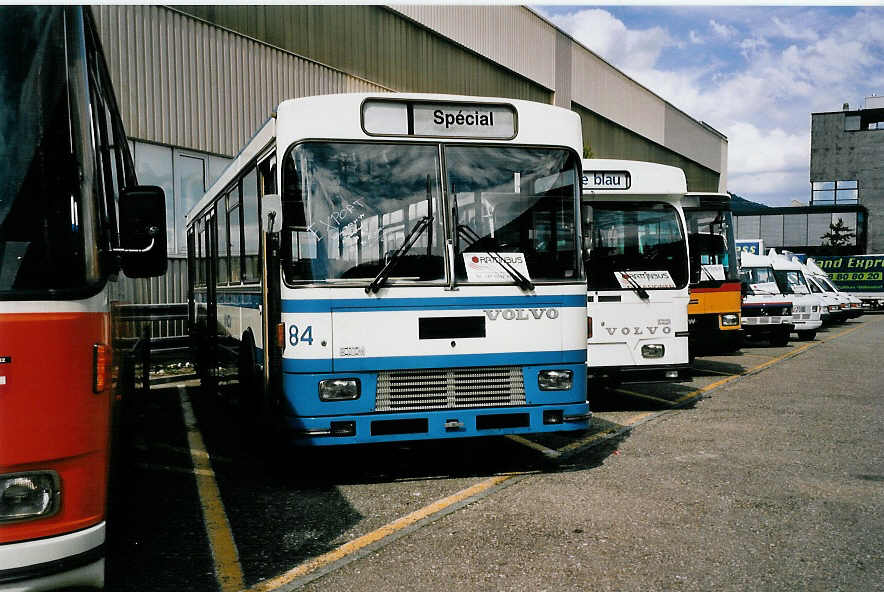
644	279
484	267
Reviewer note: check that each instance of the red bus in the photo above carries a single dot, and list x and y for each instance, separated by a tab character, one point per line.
71	218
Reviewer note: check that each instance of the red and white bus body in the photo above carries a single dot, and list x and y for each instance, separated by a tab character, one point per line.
55	427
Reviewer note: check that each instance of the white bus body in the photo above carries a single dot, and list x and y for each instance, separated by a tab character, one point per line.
637	270
428	280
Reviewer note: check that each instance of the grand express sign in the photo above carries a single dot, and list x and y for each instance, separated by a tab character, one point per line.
855	273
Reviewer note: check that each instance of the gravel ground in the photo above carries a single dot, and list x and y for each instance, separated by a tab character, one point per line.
773	483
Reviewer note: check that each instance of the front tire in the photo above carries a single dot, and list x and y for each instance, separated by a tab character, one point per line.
780	338
806	335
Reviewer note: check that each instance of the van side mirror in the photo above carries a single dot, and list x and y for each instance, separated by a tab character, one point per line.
143	231
271	213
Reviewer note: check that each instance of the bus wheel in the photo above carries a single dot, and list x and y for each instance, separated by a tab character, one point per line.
806	335
780	338
249	395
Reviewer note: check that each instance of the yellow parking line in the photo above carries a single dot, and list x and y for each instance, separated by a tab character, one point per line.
642	395
534	445
228	571
379	534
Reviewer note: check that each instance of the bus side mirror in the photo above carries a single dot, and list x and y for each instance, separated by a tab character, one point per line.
271	213
143	231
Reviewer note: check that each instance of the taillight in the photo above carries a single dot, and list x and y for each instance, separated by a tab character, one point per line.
280	336
101	367
589	327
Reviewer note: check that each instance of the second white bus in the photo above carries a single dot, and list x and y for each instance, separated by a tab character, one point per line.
636	254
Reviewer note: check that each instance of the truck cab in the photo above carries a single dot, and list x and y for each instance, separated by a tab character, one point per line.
767	313
806	306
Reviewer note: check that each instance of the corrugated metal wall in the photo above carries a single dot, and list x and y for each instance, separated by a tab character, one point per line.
509	35
375	43
607	139
186	83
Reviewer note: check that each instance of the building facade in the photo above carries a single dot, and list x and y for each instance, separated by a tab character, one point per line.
847	163
195	82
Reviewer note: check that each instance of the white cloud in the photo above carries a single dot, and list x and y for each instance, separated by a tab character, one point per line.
722	30
606	35
795	61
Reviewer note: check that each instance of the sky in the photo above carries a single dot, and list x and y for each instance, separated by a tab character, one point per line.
754	73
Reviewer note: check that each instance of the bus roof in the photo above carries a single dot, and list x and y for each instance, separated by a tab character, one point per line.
605	176
340	117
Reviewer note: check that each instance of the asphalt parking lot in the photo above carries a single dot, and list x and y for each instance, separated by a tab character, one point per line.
765	472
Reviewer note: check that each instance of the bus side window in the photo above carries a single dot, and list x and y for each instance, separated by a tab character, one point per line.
251	231
235	214
221	218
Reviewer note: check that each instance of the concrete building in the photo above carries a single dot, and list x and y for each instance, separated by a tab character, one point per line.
847	163
194	83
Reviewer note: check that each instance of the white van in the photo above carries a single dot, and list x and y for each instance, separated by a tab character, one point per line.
766	311
806	306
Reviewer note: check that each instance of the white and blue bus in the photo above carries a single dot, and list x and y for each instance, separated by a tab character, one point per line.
637	269
385	267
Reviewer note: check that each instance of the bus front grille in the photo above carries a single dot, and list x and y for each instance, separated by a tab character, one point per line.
449	388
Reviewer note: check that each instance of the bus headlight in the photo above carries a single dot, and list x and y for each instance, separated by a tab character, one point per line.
730	320
555	380
653	350
339	389
29	495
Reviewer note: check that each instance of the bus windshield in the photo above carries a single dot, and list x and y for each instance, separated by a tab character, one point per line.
709	242
42	225
347	207
634	237
516	202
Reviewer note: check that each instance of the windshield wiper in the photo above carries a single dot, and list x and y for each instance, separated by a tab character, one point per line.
410	239
642	293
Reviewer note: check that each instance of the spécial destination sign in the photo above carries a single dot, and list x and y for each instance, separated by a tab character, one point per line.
474	121
439	120
644	279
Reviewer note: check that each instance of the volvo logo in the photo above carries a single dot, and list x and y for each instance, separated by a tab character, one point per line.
521	314
638	330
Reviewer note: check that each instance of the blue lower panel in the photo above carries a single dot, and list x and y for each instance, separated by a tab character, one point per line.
431	425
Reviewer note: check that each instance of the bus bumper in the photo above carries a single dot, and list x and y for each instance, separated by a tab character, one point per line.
643	374
434	425
74	560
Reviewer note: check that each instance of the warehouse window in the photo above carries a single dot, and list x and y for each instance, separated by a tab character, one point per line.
184	176
834	192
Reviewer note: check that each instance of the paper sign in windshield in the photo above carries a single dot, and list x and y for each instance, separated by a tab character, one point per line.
483	267
644	279
713	272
